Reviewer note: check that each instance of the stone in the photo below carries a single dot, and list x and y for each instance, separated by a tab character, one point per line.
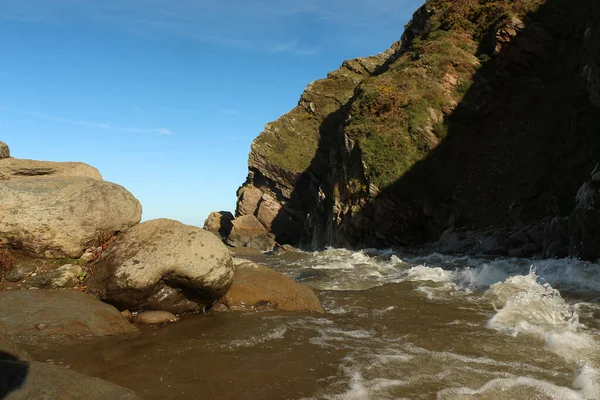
248	199
20	272
67	276
583	231
4	151
163	265
59	217
268	210
256	286
219	223
14	168
35	316
154	318
21	380
247	231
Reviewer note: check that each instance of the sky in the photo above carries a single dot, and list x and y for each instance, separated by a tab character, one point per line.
165	97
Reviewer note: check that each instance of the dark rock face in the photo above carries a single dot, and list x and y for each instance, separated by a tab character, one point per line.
475	122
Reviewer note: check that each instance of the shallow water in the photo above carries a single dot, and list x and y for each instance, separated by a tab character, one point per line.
397	326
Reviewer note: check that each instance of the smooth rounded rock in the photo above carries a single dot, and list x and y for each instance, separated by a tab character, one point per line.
163	265
154	318
60	217
256	286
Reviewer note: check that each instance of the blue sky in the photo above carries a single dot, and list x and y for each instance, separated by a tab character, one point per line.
165	97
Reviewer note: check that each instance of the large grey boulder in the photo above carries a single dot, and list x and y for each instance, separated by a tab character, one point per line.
58	217
14	168
163	265
39	316
20	380
4	150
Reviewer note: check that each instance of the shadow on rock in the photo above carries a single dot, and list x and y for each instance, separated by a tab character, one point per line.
13	373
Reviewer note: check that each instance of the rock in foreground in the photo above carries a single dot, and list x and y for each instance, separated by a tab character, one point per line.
21	380
59	217
256	286
164	265
34	316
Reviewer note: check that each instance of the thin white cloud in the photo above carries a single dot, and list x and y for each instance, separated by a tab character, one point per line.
228	111
97	125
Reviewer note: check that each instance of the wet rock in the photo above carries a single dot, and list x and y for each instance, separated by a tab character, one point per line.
584	223
60	217
19	273
256	286
4	151
165	265
21	380
10	350
14	168
128	315
219	223
247	231
34	316
155	318
67	276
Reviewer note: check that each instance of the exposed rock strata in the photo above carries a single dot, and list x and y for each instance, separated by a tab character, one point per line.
482	121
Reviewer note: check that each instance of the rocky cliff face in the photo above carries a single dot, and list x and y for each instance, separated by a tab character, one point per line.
483	118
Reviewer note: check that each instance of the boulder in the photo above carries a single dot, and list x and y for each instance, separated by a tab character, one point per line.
4	151
219	223
154	318
163	265
67	276
35	316
256	286
58	217
19	273
21	380
248	199
14	168
247	231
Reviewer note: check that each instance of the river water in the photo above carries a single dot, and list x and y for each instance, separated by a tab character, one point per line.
397	326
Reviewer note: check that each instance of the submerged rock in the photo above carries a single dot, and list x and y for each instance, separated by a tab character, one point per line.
154	318
35	316
58	217
14	168
166	265
256	286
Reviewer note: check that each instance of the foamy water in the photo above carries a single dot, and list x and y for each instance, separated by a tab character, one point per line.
518	299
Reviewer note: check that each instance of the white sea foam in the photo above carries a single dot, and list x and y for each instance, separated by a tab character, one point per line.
277	333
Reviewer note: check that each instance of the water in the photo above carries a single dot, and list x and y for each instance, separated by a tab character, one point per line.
398	326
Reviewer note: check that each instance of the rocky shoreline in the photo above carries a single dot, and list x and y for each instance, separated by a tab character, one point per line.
77	264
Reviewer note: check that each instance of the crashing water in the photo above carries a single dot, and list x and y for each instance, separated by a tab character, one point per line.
397	326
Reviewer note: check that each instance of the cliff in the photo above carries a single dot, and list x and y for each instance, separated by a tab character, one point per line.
479	126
